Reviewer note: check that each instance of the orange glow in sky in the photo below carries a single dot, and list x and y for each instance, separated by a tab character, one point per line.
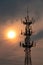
11	34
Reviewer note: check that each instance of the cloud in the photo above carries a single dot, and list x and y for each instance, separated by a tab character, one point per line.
10	9
38	35
10	53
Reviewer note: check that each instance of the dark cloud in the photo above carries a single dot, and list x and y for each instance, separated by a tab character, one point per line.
38	36
13	8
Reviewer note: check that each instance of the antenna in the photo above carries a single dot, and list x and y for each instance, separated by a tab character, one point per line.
28	44
27	11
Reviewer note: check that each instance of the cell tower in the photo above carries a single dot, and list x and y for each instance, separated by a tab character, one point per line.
28	44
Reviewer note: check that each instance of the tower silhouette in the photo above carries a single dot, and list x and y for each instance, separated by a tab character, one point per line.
28	44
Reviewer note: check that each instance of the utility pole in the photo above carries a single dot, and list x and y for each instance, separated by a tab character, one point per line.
28	44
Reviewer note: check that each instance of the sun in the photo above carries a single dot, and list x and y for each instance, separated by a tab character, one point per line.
11	34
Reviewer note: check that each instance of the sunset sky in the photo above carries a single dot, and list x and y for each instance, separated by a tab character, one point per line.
11	13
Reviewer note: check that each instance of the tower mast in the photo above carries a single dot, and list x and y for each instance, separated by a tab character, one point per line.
28	44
